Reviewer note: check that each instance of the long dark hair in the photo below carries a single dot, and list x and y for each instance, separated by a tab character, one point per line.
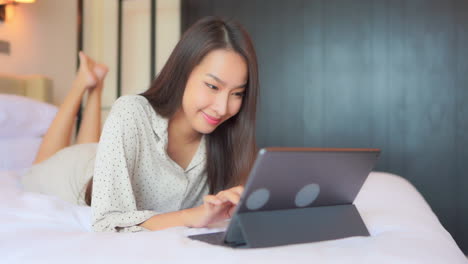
230	147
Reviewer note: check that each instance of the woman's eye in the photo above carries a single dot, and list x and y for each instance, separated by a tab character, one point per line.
211	86
241	94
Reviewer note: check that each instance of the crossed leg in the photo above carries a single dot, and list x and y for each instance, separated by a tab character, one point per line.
90	77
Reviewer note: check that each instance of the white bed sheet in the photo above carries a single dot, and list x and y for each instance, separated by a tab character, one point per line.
36	228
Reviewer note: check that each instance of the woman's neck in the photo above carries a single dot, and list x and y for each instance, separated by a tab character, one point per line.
180	131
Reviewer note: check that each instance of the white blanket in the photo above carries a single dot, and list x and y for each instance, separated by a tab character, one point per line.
36	228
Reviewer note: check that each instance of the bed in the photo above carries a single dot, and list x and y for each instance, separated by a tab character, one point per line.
36	228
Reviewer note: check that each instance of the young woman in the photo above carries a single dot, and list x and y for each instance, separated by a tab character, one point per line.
178	154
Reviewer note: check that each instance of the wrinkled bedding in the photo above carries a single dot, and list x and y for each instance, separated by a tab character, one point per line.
36	228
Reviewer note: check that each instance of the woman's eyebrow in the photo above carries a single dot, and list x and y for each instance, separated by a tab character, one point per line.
223	82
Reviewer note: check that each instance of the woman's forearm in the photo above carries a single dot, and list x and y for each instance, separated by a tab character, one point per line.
172	219
215	208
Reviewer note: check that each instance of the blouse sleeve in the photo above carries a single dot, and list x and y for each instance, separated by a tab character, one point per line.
113	203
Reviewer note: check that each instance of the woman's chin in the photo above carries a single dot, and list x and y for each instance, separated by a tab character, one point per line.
206	128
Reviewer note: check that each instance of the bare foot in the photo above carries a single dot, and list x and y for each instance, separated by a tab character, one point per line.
85	73
90	73
100	71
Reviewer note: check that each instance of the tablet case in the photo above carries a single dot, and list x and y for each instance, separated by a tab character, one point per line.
292	226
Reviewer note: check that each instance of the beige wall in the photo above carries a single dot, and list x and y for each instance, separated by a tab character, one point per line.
43	38
100	41
136	46
167	30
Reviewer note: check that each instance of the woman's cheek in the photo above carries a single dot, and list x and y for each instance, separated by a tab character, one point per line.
204	99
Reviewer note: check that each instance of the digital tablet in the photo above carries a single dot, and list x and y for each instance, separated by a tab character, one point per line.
288	178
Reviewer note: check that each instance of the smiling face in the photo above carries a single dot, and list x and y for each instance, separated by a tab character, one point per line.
214	90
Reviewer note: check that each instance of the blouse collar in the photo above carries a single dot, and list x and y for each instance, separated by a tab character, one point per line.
160	127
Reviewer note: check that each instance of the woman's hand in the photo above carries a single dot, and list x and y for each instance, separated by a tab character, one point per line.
215	208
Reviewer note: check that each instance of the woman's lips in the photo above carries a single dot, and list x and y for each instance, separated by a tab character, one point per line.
211	119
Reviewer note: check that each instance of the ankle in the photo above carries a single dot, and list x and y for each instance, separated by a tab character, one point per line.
79	84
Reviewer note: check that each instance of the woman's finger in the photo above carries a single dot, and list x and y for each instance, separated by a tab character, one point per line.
211	199
238	189
230	196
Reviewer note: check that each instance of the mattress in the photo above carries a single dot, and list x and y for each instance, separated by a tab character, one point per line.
38	228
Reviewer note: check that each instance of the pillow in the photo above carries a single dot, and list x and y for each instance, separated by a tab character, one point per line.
24	117
18	153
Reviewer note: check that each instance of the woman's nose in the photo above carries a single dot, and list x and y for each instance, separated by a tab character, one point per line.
221	104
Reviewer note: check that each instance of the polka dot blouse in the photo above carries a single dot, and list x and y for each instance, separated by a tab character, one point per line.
134	178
